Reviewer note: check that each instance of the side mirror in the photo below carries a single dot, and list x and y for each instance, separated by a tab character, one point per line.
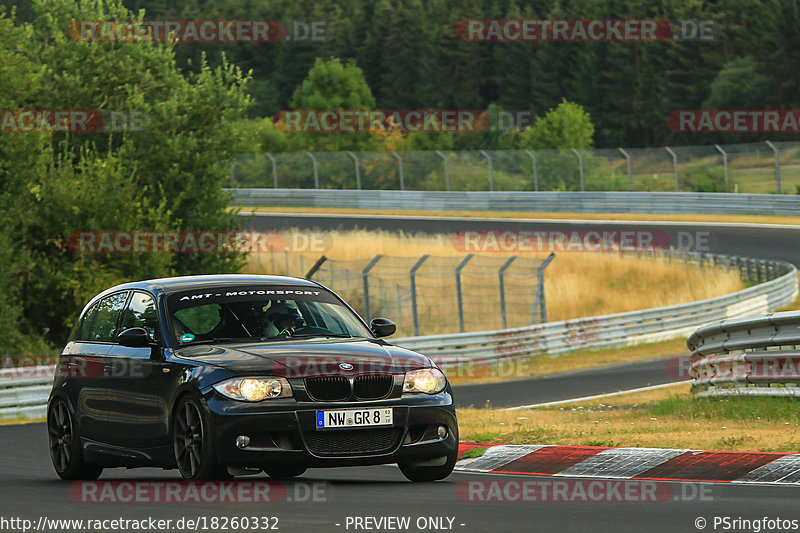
382	327
134	338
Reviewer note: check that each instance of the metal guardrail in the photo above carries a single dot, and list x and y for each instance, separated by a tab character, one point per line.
24	391
454	351
573	202
757	356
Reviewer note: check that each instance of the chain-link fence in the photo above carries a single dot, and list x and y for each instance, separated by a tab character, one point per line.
433	294
436	294
747	168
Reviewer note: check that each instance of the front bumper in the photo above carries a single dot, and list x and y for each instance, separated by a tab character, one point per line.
283	432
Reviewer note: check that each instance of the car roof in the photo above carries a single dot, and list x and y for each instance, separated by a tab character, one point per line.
182	283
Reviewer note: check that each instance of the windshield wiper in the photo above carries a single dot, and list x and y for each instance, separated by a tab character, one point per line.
216	340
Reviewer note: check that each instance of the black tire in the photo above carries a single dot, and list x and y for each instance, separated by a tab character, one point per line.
65	444
192	443
284	472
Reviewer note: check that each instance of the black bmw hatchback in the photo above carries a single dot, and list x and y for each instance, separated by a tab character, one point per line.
230	375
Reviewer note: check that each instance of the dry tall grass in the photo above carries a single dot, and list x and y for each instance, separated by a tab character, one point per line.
576	284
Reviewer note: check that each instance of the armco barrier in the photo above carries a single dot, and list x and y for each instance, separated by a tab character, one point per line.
24	392
572	202
758	356
452	351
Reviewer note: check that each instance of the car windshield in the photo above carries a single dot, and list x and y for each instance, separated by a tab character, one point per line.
231	314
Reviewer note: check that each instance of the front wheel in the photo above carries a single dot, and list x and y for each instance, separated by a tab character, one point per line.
193	445
65	445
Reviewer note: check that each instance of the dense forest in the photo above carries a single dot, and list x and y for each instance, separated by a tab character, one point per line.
412	58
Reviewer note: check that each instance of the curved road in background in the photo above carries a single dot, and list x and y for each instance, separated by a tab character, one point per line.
747	240
766	241
29	489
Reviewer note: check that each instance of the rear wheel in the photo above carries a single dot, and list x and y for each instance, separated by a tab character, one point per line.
283	472
65	446
193	445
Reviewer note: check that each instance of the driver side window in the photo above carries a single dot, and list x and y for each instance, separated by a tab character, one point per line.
141	313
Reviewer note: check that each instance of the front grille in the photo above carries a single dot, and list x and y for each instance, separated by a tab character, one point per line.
349	442
328	388
373	386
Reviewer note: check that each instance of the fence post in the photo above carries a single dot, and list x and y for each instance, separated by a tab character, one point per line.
539	304
400	168
777	166
365	281
674	167
413	275
274	170
314	267
459	295
491	174
316	173
535	173
501	275
358	171
580	167
724	163
630	174
446	173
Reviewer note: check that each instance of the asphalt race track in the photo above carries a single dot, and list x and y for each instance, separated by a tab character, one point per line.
747	240
563	386
29	488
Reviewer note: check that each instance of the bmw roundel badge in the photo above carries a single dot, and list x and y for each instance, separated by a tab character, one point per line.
345	366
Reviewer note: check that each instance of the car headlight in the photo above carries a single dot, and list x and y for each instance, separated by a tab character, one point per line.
427	380
254	389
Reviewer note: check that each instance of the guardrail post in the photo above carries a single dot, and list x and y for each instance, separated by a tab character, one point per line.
446	172
777	166
400	169
535	173
630	174
316	173
459	295
358	170
413	276
580	166
274	170
539	305
501	274
491	174
365	281
724	163
674	167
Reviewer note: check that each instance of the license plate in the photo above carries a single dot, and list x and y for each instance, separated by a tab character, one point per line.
354	418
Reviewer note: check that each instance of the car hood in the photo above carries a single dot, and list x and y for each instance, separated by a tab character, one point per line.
306	359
